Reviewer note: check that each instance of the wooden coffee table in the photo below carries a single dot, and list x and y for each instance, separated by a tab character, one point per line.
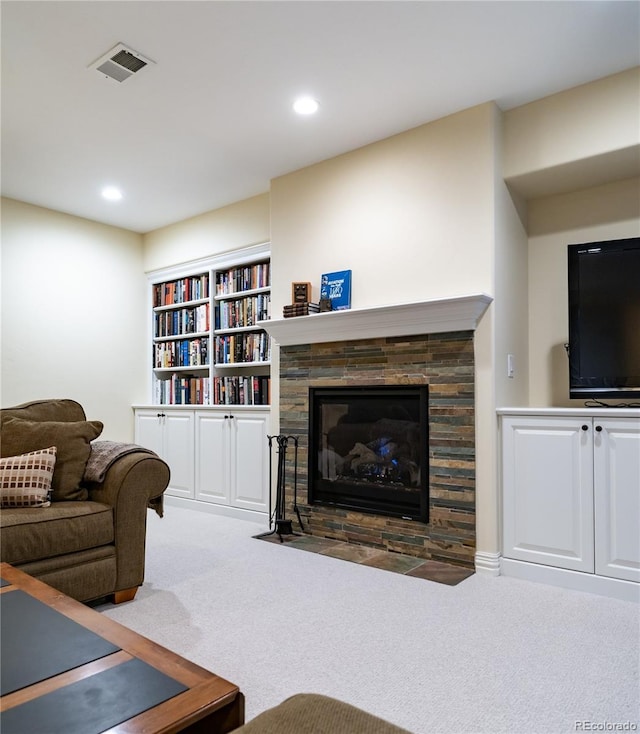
65	663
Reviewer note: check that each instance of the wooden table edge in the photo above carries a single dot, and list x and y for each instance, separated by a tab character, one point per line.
210	692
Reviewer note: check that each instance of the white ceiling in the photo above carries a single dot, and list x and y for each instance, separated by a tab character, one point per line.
210	123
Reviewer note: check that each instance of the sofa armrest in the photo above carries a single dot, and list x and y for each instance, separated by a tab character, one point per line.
128	486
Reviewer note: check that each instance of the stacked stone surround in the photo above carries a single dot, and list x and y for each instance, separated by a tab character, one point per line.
445	362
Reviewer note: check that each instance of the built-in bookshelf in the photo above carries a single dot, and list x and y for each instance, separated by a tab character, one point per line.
207	346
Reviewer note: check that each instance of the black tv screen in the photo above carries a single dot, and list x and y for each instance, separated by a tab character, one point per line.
604	319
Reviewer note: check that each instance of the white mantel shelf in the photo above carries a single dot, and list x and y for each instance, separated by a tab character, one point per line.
438	315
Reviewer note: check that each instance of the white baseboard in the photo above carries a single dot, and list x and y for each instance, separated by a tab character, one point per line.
575	580
210	507
487	564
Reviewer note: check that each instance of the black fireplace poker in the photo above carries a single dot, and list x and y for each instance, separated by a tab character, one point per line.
277	514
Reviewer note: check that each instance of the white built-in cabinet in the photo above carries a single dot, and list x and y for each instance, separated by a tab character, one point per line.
209	380
571	496
170	433
232	459
217	456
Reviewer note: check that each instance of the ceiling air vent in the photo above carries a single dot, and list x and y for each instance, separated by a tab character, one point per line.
120	63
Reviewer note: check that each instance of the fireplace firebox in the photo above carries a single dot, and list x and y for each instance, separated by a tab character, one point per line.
369	449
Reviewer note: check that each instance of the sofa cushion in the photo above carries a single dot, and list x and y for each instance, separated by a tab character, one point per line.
83	576
64	527
25	480
57	409
72	440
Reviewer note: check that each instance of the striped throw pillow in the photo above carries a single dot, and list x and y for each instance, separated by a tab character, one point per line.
25	480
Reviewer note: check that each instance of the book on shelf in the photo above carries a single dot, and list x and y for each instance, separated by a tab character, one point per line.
182	321
242	312
243	278
243	347
299	309
181	353
183	390
181	291
241	390
336	287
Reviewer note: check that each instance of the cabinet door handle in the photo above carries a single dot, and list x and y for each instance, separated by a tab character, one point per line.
598	428
585	427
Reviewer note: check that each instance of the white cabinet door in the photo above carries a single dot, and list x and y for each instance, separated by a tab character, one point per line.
213	437
179	451
149	430
249	461
170	433
617	497
548	491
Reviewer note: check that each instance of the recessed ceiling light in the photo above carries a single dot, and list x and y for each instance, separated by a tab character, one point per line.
305	105
112	193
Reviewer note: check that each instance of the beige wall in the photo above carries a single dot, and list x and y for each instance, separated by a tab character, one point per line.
611	211
230	228
579	138
410	215
73	314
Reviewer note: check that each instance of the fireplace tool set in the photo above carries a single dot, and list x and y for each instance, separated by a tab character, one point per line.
277	514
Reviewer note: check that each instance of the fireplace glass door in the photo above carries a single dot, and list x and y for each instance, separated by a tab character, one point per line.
369	449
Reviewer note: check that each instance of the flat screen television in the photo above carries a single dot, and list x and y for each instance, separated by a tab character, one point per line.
604	319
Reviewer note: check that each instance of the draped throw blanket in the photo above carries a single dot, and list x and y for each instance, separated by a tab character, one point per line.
105	453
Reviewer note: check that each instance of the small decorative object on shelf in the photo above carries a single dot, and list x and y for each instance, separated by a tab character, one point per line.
300	292
337	288
324	305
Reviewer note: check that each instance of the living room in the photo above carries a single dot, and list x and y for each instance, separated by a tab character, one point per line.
506	260
480	200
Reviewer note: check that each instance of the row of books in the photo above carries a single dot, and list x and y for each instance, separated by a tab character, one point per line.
244	278
181	291
241	390
191	390
243	311
244	347
182	321
183	390
181	353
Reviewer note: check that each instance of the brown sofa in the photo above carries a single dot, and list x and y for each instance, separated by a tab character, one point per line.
311	713
90	541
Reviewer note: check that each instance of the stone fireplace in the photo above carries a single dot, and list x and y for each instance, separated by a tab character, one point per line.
441	365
